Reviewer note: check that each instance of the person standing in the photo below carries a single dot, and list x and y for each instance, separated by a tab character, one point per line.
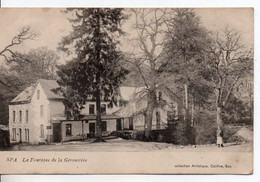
220	138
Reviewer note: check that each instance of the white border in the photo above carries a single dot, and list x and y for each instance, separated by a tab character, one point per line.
155	3
128	3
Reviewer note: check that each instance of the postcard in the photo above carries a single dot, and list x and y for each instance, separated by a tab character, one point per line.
126	90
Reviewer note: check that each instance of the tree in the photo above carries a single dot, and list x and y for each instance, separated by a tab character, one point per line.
21	72
96	69
149	25
186	42
9	85
40	63
228	60
9	54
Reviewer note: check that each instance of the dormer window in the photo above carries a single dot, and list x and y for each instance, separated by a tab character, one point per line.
38	94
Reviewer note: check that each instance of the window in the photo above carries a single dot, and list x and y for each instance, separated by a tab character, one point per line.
27	135
14	116
14	133
91	109
38	94
68	130
103	108
41	110
42	131
131	124
20	116
26	116
104	126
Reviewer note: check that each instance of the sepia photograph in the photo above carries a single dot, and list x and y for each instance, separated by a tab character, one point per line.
155	90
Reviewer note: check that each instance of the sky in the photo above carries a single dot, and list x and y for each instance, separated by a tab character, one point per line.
51	24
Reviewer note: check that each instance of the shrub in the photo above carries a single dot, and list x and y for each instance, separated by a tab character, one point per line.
180	132
139	135
4	139
206	133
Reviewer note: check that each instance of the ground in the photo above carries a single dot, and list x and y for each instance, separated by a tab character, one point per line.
121	145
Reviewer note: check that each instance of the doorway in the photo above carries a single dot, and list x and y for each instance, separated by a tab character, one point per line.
118	125
56	132
92	129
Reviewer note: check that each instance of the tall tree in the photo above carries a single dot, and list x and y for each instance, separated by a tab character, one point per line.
149	26
186	42
96	72
227	62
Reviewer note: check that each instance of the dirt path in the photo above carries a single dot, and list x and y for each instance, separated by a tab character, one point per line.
120	145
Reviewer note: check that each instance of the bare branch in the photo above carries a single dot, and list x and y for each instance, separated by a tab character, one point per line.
24	34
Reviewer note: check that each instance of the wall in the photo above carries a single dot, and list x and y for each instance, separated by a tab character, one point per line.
38	120
85	110
17	124
139	120
111	125
77	128
57	108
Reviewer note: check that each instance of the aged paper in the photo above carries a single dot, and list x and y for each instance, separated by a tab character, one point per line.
39	138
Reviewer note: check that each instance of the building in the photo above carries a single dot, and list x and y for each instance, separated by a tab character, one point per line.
34	112
167	104
37	115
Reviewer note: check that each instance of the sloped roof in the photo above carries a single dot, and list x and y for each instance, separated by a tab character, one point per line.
24	96
48	86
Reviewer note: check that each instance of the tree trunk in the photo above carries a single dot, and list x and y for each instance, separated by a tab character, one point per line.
149	115
219	117
192	111
219	132
185	114
98	91
98	118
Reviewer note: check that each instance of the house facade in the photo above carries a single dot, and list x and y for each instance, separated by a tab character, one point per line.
37	115
33	112
86	126
166	104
